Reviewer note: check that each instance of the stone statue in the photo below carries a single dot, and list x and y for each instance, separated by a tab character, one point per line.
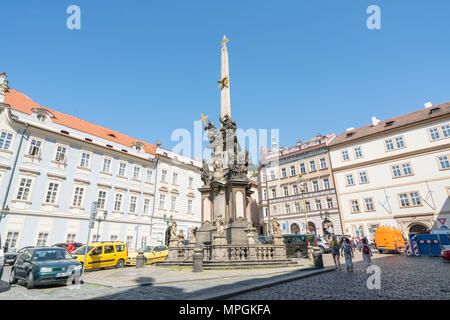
205	173
276	230
214	135
181	239
173	231
220	225
228	123
192	238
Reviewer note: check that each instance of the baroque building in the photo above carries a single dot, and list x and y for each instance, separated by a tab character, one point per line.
395	172
54	166
280	192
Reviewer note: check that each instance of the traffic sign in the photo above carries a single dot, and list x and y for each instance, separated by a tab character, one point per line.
442	220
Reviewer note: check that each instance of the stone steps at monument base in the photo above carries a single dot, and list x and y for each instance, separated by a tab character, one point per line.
217	265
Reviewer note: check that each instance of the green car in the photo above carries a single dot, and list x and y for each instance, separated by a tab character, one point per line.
41	266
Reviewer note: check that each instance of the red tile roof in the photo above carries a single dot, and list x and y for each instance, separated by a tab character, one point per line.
20	102
393	123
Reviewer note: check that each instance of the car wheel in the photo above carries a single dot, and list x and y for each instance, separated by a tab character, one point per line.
12	277
30	283
380	251
119	264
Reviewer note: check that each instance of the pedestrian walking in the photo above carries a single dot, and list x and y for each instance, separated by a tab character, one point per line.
335	247
366	252
347	252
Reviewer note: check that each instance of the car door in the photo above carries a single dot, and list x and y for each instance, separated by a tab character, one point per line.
96	257
109	256
18	266
288	244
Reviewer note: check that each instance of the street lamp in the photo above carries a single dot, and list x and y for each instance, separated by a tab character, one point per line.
302	182
167	219
4	212
100	219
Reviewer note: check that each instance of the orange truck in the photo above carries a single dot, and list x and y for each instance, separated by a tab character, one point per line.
389	239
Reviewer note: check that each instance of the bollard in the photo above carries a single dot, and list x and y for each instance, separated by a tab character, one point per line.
198	260
318	261
140	260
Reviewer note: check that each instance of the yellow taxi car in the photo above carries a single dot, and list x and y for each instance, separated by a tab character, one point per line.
102	254
153	253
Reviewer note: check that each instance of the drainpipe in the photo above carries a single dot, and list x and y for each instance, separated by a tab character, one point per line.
154	197
13	169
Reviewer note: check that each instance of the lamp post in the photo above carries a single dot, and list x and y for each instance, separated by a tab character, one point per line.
167	220
303	181
324	217
4	213
100	219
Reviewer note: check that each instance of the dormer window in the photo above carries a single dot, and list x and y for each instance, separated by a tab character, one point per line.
138	146
42	114
41	117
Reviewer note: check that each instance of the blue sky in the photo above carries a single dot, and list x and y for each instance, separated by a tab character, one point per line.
146	68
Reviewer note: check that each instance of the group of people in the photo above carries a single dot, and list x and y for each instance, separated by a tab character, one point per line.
345	247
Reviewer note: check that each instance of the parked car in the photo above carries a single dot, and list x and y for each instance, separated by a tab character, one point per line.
153	253
10	257
102	254
389	239
297	244
265	239
324	245
69	246
445	253
40	266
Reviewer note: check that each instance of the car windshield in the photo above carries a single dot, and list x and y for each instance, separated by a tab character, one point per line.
51	254
146	249
82	250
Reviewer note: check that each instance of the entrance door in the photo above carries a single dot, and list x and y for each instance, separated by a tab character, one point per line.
295	228
312	228
418	228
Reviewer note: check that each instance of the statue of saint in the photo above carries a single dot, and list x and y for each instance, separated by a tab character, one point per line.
205	173
220	225
276	230
173	231
181	239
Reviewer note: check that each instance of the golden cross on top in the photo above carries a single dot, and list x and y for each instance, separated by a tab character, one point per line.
203	118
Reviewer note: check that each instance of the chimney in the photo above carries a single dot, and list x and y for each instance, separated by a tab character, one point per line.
299	142
350	129
3	86
375	121
428	105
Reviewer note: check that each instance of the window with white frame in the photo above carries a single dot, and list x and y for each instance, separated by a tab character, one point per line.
318	204
410	199
307	206
189	206
295	189
162	198
149	175
42	239
5	140
350	180
35	147
368	202
293	173
344	155
434	133
358	152
389	144
406	167
363	177
71	237
78	196
312	165
173	203
283	173
133	200
396	172
315	184
130	241
264	194
272	175
297	207
174	178
302	168
323	163
330	203
106	165
101	199
266	212
440	132
191	182
52	192
118	202
355	206
11	239
85	158
285	191
394	143
24	189
163	175
446	130
326	183
61	154
444	163
136	172
122	169
274	193
399	142
146	208
287	208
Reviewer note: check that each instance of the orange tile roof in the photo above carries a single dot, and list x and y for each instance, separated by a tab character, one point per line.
20	102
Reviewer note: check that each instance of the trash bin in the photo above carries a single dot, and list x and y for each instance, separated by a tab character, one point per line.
318	261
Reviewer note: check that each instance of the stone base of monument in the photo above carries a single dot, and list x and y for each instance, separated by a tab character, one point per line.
204	233
236	233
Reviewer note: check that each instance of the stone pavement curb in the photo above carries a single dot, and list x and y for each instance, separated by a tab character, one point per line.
108	283
264	284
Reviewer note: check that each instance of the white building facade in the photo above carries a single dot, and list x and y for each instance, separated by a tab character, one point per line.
395	173
54	166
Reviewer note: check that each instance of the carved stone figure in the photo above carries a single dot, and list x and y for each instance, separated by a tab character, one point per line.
173	231
205	173
192	238
276	230
181	239
228	123
220	225
214	135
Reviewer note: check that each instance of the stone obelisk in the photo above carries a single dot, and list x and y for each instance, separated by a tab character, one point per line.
225	108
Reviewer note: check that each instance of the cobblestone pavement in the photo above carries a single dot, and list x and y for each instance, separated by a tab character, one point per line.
401	278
